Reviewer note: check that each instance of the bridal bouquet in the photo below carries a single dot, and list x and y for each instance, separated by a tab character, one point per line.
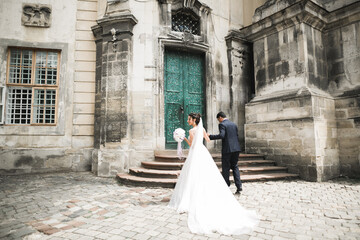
179	135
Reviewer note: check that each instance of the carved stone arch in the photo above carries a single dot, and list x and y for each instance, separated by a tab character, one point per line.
196	6
192	7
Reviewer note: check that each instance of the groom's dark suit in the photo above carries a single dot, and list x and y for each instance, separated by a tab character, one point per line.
230	151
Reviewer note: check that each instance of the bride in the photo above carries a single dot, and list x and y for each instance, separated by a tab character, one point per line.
202	192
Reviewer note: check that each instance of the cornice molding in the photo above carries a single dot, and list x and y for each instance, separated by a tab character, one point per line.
304	11
122	23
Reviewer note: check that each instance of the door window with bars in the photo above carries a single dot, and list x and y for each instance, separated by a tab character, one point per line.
32	86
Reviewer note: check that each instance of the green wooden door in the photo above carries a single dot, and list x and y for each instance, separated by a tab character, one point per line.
184	91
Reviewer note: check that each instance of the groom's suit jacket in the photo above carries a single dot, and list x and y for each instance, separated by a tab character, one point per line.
229	135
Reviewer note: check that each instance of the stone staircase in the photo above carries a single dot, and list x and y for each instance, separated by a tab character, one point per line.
164	171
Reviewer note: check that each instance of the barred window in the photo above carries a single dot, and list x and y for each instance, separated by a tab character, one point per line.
32	86
185	21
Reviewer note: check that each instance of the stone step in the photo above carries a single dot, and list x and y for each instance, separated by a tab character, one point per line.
178	165
162	165
147	182
125	178
262	169
156	173
268	176
171	156
186	151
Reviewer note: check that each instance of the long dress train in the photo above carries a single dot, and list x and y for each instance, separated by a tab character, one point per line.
202	192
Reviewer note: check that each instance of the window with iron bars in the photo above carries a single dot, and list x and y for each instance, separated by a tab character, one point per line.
32	86
185	21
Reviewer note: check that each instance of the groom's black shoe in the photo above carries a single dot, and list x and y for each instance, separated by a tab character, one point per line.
238	191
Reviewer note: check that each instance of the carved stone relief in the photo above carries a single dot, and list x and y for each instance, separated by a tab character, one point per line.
36	15
239	55
188	38
189	3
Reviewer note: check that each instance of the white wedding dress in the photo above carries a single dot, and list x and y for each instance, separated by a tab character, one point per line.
202	192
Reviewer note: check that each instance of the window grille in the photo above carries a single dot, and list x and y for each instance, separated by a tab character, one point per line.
19	105
32	86
44	106
185	21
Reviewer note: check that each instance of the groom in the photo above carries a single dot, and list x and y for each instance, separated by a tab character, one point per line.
230	149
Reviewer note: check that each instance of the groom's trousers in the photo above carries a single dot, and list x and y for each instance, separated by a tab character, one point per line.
230	161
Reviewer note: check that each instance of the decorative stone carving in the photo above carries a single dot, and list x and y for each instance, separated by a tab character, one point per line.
239	54
189	3
36	15
188	38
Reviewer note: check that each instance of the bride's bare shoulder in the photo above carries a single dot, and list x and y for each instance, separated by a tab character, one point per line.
192	130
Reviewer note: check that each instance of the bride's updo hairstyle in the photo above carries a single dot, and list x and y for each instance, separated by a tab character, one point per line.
195	116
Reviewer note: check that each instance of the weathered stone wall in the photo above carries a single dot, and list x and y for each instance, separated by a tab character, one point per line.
279	62
111	119
240	72
114	90
287	135
316	71
348	132
343	57
114	48
300	132
325	137
302	51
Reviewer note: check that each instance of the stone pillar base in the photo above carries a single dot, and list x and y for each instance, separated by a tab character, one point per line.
297	129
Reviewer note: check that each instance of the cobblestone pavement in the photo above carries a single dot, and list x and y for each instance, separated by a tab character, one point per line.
82	206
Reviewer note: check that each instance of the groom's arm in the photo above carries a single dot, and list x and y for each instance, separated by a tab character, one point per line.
221	134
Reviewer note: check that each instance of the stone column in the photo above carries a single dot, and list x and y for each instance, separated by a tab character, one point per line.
240	61
113	63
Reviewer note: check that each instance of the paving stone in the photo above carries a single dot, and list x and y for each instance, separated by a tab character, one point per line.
83	206
128	234
152	233
264	236
141	236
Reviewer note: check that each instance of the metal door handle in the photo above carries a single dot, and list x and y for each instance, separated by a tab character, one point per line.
182	109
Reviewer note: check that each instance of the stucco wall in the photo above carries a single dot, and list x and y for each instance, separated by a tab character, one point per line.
28	148
84	78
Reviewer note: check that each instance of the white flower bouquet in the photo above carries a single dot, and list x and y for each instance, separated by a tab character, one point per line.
179	135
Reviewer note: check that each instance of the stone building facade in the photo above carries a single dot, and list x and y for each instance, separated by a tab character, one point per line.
104	106
101	84
306	111
156	62
32	137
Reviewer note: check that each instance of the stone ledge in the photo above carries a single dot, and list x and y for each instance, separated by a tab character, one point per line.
289	94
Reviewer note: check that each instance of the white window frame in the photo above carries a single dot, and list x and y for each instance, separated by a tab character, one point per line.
2	104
